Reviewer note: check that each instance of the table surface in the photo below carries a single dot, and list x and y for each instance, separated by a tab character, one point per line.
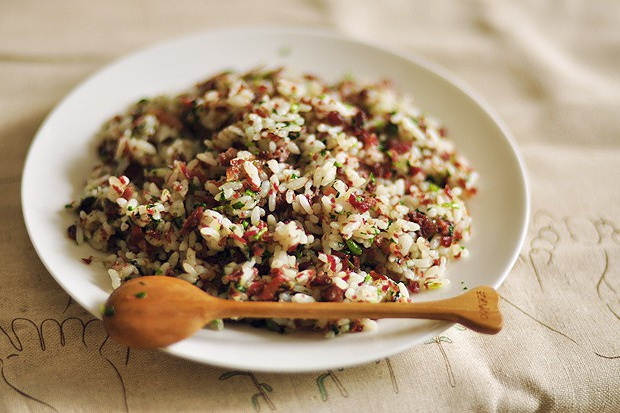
550	70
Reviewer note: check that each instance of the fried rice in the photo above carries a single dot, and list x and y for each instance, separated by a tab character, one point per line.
276	186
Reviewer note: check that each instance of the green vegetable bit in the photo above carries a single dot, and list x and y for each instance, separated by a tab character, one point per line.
354	247
217	324
260	234
109	311
433	187
238	205
141	294
391	129
178	222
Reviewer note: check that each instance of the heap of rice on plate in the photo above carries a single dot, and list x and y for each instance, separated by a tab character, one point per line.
275	186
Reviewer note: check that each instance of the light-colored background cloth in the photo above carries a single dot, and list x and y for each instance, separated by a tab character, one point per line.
551	69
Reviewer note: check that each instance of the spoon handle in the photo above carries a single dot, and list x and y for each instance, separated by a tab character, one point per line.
477	310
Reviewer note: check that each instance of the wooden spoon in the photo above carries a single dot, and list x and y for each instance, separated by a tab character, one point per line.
156	311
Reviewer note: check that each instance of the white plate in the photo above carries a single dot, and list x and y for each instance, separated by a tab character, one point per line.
63	152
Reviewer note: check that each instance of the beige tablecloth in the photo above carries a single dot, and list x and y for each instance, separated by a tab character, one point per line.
551	71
